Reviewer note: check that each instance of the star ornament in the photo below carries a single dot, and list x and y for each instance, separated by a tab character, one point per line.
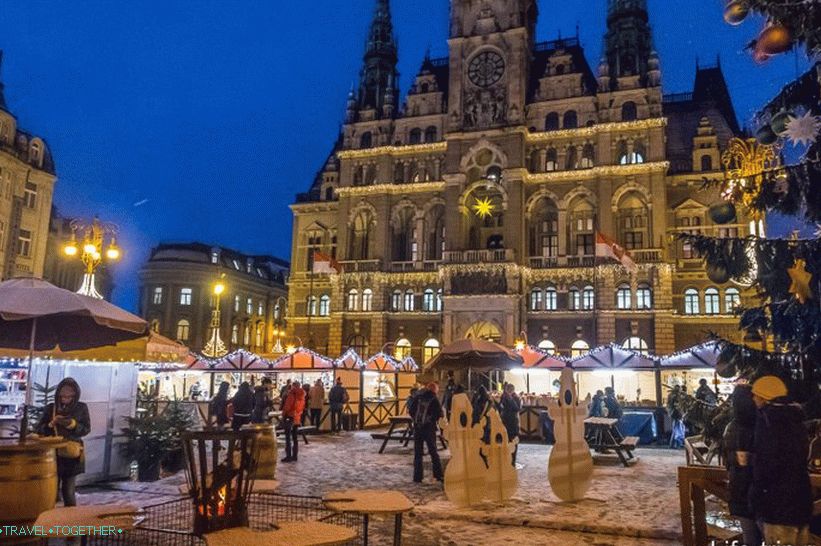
483	207
800	285
803	129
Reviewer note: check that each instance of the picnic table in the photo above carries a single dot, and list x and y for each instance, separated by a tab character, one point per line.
403	434
602	435
371	501
292	533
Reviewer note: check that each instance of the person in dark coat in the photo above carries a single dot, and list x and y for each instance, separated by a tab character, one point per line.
218	407
781	494
263	402
337	398
614	410
243	403
447	397
705	394
510	406
674	400
307	388
482	402
283	393
67	417
596	405
426	411
738	449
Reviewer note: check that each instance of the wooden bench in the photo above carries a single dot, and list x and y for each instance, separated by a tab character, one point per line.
303	431
630	442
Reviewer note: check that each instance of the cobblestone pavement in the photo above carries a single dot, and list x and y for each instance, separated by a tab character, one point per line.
625	506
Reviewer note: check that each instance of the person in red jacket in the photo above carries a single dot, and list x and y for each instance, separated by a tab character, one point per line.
291	417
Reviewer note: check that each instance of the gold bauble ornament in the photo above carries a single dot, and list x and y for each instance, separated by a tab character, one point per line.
735	12
800	285
773	40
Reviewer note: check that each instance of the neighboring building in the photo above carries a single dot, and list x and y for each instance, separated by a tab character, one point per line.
472	210
176	295
67	272
26	188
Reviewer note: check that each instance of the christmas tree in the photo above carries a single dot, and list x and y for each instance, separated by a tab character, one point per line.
782	325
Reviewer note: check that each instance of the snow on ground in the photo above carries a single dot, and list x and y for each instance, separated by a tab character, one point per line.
624	506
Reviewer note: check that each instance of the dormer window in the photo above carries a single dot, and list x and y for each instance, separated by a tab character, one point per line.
236	264
36	152
424	88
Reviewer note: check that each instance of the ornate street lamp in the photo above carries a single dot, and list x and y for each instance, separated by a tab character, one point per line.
278	345
92	250
215	346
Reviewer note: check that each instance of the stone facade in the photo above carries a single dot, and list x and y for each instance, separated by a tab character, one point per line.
473	210
176	296
27	180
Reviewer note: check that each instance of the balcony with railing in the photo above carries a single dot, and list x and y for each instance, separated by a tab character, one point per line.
646	255
496	255
360	266
418	265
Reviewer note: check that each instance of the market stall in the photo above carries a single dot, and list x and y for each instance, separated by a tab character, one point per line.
349	369
305	366
379	388
686	368
537	381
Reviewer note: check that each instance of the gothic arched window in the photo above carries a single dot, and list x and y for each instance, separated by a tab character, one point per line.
628	111
570	120
551	160
551	122
367	300
366	140
430	134
415	136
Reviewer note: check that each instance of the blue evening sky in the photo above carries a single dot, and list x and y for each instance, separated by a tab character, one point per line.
200	120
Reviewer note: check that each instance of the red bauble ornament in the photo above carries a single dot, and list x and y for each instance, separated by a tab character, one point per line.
773	40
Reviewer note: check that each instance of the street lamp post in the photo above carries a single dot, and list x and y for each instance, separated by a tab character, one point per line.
215	346
92	250
278	345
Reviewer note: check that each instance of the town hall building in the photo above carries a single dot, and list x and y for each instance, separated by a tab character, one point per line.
471	208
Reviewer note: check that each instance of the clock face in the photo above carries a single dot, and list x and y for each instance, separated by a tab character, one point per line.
486	68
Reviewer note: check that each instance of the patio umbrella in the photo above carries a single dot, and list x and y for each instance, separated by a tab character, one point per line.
38	316
476	354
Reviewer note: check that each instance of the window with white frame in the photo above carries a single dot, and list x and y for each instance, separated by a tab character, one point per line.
550	299
324	305
439	300
258	337
402	348
574	299
367	300
732	299
183	330
246	336
429	300
624	297
396	301
409	300
353	299
237	303
430	349
579	347
536	299
547	346
310	306
30	195
635	343
186	295
249	306
711	303
235	334
260	309
644	297
691	306
24	243
157	297
588	298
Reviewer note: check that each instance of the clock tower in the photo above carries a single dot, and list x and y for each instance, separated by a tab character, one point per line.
490	45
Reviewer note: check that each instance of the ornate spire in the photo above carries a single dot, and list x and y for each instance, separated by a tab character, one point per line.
379	73
629	41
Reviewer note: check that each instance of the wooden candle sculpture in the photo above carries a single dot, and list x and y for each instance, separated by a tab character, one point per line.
466	471
502	477
570	466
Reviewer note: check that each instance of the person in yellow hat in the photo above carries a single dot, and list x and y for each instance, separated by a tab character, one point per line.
781	495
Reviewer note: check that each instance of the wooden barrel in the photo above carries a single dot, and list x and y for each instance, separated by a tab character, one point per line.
28	483
267	442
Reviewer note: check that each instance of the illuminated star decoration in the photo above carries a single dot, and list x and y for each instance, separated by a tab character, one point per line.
800	285
803	129
483	207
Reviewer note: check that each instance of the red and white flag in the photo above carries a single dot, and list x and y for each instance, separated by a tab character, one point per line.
324	264
608	248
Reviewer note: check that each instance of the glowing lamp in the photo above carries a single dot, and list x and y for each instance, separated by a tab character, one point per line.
70	249
290	349
89	248
219	288
113	253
